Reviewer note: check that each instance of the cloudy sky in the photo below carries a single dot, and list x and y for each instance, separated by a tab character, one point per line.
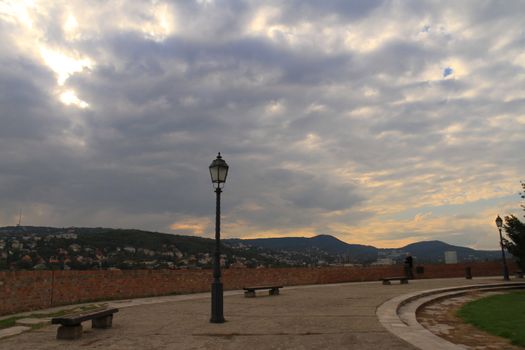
379	122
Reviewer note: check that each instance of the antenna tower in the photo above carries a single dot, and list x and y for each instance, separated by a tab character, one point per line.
19	218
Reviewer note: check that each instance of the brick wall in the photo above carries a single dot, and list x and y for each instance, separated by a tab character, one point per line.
31	290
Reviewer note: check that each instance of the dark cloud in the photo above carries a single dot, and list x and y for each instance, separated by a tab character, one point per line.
346	10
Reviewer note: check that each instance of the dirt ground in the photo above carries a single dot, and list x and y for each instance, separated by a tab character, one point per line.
440	318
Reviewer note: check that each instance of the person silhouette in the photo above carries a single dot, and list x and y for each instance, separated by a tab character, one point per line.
409	263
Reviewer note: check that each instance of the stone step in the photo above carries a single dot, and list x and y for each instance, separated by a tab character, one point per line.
33	321
11	331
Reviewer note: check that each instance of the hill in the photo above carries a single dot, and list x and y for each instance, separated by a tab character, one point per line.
434	251
325	247
333	250
28	247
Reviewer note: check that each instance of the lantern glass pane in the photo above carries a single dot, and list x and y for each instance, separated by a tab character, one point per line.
214	172
222	173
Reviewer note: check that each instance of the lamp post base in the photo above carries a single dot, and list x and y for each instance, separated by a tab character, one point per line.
217	315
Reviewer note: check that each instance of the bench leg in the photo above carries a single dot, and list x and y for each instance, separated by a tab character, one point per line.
69	332
249	294
404	281
102	322
386	282
274	291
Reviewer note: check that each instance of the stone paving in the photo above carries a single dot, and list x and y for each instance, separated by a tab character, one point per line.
338	316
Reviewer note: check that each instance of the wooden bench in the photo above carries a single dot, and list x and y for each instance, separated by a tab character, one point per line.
249	292
71	325
402	280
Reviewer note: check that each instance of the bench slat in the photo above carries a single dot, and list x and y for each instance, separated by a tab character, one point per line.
74	320
402	280
250	291
261	287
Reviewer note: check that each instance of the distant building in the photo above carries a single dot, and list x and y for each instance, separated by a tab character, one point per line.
75	247
451	257
69	235
16	245
130	250
384	261
237	265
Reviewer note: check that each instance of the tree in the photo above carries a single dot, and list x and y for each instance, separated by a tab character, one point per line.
516	245
522	194
515	230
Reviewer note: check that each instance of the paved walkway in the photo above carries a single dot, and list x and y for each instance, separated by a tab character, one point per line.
338	316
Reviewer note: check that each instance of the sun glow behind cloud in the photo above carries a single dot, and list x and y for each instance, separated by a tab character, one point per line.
64	65
64	61
193	225
69	97
17	11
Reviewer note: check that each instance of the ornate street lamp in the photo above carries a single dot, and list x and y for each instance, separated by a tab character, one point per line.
218	172
499	223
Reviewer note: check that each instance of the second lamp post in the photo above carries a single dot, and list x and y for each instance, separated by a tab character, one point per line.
499	223
218	172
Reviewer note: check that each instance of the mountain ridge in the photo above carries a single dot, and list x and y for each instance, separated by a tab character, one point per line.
111	247
422	251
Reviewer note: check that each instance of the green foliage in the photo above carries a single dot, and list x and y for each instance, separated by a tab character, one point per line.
515	230
501	315
9	322
522	194
110	239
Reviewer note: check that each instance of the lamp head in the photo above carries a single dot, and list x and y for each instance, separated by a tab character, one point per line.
499	222
218	171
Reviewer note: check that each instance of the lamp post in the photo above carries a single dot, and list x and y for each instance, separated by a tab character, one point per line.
499	223
218	172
